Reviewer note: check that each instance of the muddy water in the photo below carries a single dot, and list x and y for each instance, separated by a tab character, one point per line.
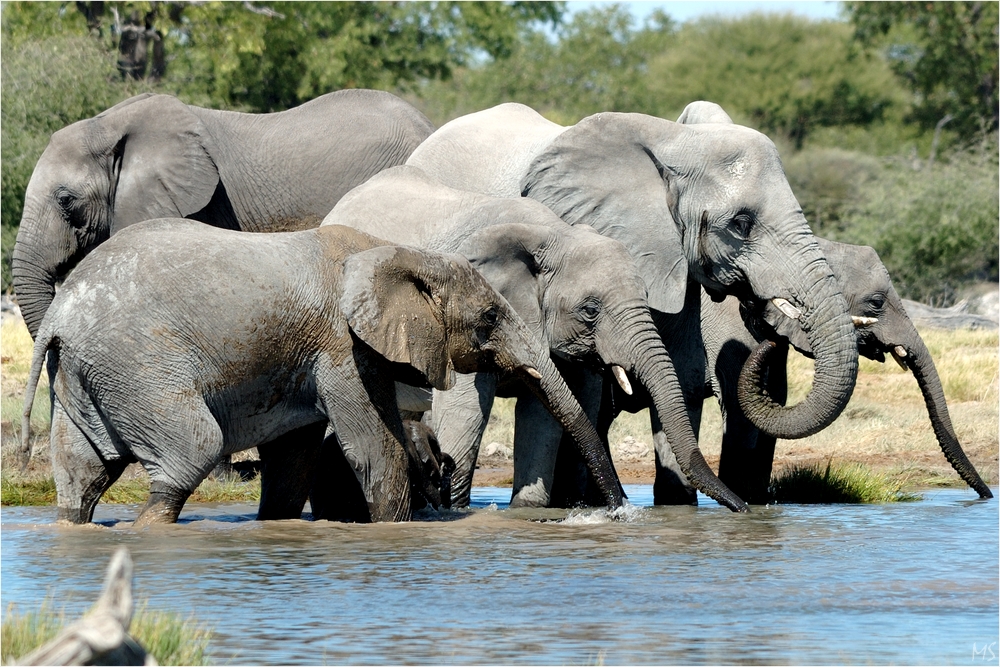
912	583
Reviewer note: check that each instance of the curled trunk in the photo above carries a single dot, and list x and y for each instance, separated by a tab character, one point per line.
827	325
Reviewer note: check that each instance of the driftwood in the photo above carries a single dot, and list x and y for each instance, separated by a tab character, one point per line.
101	636
960	316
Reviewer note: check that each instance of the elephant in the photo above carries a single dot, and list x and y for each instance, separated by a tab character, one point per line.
883	329
176	342
698	206
578	292
320	472
152	156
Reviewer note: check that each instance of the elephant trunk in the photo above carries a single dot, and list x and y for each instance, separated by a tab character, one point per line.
43	252
531	362
653	368
918	360
823	315
34	284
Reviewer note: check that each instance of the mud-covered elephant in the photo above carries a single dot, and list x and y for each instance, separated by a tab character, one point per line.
152	156
577	291
175	343
704	205
884	329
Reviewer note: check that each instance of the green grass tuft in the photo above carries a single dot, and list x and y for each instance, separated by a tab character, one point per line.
854	483
171	639
17	491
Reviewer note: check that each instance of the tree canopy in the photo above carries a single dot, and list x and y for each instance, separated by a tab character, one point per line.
886	121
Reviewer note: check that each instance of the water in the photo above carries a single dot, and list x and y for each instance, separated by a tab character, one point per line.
912	583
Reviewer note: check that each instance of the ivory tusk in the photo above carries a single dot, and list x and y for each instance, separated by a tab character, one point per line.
899	353
863	321
533	372
786	307
622	379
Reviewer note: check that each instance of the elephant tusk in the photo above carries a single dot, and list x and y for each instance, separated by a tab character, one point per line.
533	372
785	306
863	321
899	353
622	379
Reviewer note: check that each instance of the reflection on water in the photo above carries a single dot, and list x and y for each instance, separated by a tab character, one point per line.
909	583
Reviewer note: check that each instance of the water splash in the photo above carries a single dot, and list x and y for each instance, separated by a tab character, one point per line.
627	513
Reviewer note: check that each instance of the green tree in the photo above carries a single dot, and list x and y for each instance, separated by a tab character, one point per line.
945	51
785	74
595	62
266	57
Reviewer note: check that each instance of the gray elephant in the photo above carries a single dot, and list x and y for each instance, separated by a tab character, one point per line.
883	329
153	156
577	291
175	343
704	205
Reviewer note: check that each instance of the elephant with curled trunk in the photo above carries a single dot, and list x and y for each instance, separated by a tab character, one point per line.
175	343
578	292
884	329
704	205
152	156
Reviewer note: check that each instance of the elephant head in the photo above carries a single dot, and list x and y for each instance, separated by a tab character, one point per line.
147	157
710	201
885	329
434	312
580	291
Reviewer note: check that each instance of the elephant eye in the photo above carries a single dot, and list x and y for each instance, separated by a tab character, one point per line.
68	207
489	317
876	301
742	223
590	310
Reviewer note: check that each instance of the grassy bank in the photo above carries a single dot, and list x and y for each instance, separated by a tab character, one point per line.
171	639
884	427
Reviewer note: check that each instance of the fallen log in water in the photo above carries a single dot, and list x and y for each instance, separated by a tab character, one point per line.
101	636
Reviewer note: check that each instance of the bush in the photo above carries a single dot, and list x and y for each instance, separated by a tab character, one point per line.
841	484
935	228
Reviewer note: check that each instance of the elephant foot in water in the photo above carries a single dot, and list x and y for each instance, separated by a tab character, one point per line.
164	505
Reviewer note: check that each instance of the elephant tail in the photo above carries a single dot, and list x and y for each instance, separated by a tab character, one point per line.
46	339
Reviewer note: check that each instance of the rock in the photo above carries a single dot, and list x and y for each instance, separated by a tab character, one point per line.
631	451
8	309
497	449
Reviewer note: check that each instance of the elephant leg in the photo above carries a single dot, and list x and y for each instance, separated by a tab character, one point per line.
748	453
360	400
335	494
460	418
287	463
187	447
538	436
81	474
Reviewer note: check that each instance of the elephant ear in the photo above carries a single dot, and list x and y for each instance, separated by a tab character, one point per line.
507	255
165	169
392	303
602	172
